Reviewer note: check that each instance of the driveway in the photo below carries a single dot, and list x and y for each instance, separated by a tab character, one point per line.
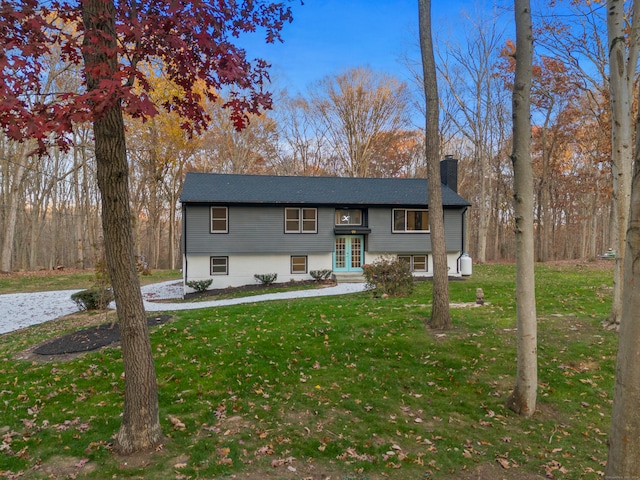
20	310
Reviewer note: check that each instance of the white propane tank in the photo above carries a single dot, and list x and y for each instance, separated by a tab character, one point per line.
466	265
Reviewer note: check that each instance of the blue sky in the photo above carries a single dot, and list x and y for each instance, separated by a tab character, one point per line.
329	36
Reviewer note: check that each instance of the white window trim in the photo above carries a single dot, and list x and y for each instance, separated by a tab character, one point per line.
412	261
300	228
226	272
393	223
306	264
226	220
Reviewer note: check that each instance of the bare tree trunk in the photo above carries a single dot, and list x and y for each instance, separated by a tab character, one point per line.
593	223
172	220
523	398
622	68
485	206
78	218
12	218
440	317
140	427
624	438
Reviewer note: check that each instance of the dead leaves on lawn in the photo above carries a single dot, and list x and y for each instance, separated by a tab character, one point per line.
176	422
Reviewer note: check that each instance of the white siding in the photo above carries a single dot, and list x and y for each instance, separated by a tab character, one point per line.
242	269
452	262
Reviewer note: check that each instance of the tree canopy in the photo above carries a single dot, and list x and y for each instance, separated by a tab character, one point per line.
189	42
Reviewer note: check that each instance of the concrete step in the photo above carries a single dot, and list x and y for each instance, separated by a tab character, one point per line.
351	277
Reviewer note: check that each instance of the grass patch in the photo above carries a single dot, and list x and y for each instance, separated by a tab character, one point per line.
71	279
351	387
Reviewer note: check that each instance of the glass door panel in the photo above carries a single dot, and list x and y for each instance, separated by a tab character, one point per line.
341	253
348	254
356	252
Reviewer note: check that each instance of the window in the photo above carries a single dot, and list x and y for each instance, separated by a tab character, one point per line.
417	263
348	217
219	265
300	220
410	220
219	220
299	264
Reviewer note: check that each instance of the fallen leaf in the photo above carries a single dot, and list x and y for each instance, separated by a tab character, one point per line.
278	462
266	450
176	422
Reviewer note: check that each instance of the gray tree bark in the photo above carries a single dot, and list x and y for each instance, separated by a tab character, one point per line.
624	437
523	398
440	316
12	217
623	59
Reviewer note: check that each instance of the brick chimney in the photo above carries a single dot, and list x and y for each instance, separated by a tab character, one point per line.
449	172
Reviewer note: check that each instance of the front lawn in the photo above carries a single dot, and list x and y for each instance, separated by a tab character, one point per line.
346	387
67	279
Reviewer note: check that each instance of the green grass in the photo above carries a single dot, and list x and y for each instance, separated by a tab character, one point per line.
350	386
68	280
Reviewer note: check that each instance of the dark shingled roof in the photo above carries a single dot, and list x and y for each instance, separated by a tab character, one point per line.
280	190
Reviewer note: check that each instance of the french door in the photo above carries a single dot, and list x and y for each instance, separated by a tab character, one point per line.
348	253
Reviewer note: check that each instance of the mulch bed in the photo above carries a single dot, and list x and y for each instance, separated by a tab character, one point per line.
257	288
90	338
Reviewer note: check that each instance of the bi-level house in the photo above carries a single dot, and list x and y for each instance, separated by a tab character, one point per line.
236	226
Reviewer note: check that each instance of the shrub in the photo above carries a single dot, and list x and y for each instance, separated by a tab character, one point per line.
389	276
320	274
199	285
266	278
95	298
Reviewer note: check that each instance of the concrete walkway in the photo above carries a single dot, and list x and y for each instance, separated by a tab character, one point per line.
20	310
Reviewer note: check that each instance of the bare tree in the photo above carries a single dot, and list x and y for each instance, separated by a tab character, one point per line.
355	108
248	151
440	317
624	438
302	145
15	162
523	398
475	93
623	59
579	41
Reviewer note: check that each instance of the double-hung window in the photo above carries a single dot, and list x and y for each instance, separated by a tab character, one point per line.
219	265
219	220
408	220
300	220
298	264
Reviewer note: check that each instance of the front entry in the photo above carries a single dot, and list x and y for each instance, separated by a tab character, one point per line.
348	254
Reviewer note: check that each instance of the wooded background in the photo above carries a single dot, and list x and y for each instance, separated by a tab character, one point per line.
356	123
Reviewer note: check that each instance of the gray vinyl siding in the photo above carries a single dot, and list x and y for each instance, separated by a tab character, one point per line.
260	229
453	219
255	229
382	240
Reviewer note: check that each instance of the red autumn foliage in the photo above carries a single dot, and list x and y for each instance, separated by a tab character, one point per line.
192	42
